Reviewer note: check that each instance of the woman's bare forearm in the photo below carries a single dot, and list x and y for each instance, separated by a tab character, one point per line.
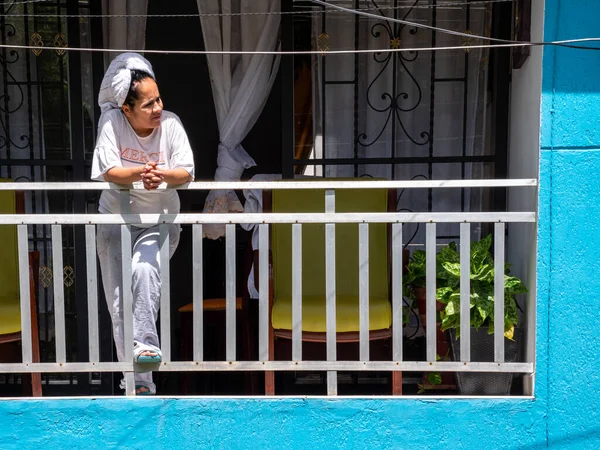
124	175
177	176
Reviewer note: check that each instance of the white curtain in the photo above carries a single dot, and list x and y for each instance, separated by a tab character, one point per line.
240	83
398	112
128	33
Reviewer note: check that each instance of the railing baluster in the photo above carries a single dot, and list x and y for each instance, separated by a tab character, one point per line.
230	291
165	294
465	292
397	291
26	341
127	294
263	294
430	256
92	292
297	292
330	271
499	292
127	299
363	294
198	293
59	294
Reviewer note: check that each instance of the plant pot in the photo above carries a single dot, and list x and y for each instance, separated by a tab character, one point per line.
421	299
405	260
482	350
442	340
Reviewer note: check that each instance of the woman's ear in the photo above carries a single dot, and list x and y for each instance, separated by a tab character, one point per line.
126	110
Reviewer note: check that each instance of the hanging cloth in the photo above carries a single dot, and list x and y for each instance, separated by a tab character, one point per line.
125	32
241	85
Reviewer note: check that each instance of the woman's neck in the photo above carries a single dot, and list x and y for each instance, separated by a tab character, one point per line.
141	132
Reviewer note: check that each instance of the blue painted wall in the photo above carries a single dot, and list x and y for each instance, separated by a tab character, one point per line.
265	424
565	413
571	160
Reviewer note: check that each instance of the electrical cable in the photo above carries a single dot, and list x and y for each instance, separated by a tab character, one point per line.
409	5
502	43
565	43
24	2
409	23
412	310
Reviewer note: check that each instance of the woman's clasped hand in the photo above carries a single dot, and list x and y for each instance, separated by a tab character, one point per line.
152	176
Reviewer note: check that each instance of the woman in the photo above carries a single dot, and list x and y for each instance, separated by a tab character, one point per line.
141	144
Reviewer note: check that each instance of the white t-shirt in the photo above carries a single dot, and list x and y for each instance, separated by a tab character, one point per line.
119	146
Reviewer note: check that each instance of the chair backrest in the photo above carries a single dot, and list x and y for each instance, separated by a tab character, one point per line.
346	240
9	272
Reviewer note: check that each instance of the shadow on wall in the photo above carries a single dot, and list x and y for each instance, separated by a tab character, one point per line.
588	439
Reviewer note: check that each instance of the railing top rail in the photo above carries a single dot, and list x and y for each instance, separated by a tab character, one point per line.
279	185
253	218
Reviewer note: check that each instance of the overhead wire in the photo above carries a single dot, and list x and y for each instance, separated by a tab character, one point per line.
565	43
500	43
407	22
407	5
411	4
24	2
432	3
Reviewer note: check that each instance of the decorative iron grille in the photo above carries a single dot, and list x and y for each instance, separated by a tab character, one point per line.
47	133
411	152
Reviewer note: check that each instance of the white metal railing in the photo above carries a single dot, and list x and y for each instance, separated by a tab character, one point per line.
329	218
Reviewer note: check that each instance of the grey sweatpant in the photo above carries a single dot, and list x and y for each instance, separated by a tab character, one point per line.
145	284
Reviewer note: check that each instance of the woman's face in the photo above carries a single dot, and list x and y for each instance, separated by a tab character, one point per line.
147	110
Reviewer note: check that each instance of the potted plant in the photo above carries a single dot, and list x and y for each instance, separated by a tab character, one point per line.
481	313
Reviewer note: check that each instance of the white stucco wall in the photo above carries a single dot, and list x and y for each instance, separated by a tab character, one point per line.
523	162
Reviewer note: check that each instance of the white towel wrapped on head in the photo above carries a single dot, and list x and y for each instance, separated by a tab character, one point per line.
117	79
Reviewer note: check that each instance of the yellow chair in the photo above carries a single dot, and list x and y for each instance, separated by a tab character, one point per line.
313	270
10	312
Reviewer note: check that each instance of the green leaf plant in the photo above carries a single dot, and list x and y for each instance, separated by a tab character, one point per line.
415	274
482	287
432	379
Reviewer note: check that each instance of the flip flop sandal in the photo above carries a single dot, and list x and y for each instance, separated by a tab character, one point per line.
146	359
140	389
142	359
